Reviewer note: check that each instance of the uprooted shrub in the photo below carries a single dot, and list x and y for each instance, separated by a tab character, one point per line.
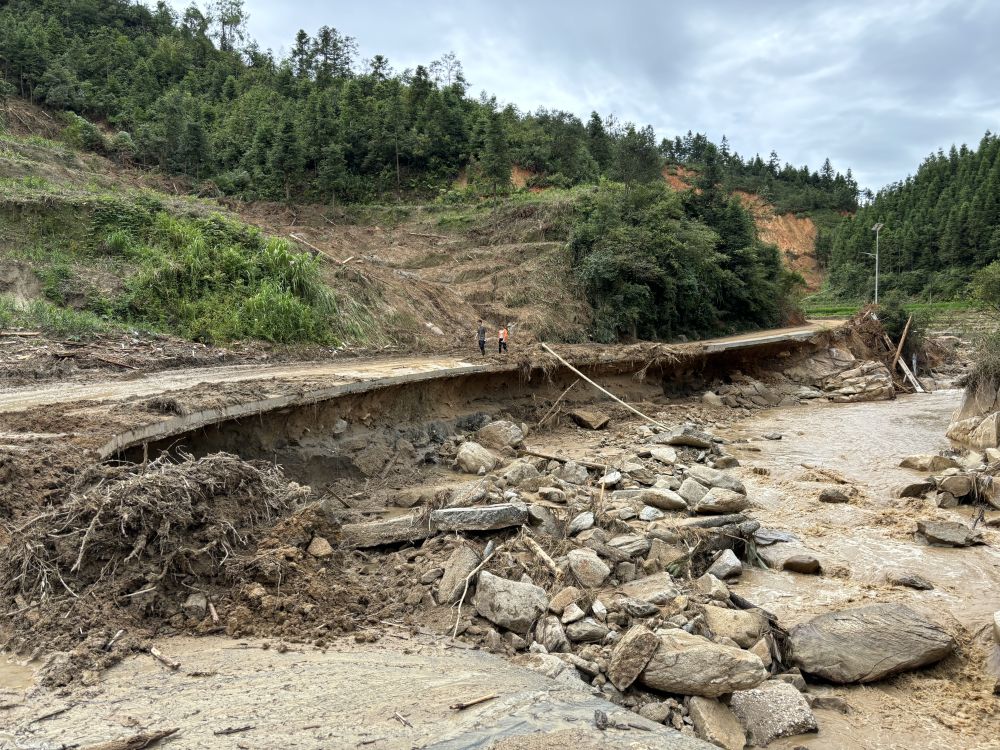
132	538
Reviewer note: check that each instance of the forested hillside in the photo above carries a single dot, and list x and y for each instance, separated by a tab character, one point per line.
941	224
189	94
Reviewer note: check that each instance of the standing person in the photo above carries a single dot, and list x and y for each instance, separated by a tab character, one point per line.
502	337
482	337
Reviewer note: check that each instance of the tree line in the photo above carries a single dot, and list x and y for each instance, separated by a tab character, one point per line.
192	94
940	225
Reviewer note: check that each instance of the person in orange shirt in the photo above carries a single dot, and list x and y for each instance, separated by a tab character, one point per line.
502	337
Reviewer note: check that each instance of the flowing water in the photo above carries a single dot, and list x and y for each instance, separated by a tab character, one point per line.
859	543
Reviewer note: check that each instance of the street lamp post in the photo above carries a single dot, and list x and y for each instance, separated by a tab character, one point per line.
877	228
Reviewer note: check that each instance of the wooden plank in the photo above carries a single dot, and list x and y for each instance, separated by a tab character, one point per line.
902	340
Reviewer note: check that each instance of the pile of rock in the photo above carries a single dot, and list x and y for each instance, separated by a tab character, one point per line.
616	577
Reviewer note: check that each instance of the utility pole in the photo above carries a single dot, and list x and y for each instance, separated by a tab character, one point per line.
877	228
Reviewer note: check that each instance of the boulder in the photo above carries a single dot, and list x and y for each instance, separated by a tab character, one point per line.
571	613
510	604
711	587
928	463
649	513
589	569
692	491
716	478
472	458
833	495
564	598
958	485
718	501
632	545
987	434
726	565
590	419
714	722
409	528
692	665
500	434
196	605
802	563
572	473
480	518
519	472
663	499
657	589
587	630
867	643
610	479
549	632
462	561
909	580
686	434
743	626
661	555
772	710
664	454
915	489
552	495
631	655
949	534
581	522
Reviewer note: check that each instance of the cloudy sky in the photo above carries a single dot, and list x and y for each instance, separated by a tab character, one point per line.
875	86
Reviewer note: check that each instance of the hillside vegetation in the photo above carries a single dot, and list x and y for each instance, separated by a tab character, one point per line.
941	225
191	98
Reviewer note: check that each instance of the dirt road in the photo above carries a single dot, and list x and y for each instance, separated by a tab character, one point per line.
324	374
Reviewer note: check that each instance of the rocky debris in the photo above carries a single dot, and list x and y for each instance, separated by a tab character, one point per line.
664	454
775	556
460	564
510	604
714	722
909	580
572	613
727	565
657	589
712	587
958	485
649	513
480	518
772	436
806	564
928	463
589	569
833	495
631	655
590	419
949	534
519	472
829	703
718	501
977	432
610	479
693	665
871	381
996	626
633	545
319	547
867	644
499	435
661	498
772	710
686	434
552	494
472	458
550	633
716	478
745	627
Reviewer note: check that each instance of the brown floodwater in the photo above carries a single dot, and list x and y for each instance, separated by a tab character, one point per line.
859	543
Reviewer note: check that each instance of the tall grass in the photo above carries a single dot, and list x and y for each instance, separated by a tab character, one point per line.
51	318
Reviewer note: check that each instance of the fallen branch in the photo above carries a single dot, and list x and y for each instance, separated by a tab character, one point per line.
324	253
543	557
401	719
603	390
233	730
906	370
21	334
465	589
474	702
550	411
902	340
211	611
163	659
562	459
136	741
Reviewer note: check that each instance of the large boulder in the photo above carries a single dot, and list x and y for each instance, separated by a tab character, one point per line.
716	478
870	381
590	570
631	655
479	518
771	710
867	644
686	434
500	434
510	604
714	722
928	462
692	665
473	458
